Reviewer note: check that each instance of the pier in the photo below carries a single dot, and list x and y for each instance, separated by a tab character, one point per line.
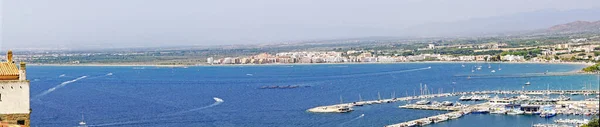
457	111
329	108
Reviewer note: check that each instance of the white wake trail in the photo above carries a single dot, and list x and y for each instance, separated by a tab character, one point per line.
217	102
63	84
361	116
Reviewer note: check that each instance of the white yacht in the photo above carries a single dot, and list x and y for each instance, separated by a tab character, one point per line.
464	98
447	103
515	112
423	102
498	111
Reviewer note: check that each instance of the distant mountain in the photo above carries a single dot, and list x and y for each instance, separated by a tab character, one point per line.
528	21
575	27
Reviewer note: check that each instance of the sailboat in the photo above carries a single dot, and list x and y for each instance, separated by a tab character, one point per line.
499	67
359	103
82	122
424	101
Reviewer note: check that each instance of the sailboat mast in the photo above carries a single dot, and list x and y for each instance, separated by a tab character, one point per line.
421	88
359	97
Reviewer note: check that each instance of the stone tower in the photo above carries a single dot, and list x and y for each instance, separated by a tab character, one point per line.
14	93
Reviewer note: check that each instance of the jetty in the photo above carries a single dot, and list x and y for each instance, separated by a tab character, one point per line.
329	108
529	105
457	112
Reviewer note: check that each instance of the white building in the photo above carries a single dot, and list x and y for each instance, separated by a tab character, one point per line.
209	60
431	46
14	93
513	58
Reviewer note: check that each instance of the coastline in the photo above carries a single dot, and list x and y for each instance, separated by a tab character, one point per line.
583	64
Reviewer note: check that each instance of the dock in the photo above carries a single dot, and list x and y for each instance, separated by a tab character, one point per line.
457	111
329	108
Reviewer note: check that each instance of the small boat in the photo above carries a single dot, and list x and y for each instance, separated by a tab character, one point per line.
345	109
423	102
464	98
218	99
82	122
358	104
463	65
476	98
515	112
447	103
493	71
481	111
479	68
500	111
528	83
548	114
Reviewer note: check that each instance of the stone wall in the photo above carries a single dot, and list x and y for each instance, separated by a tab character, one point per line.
14	119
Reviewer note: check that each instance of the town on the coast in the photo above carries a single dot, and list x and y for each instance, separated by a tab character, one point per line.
575	50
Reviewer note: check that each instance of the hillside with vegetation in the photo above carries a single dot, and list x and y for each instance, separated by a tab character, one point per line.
592	69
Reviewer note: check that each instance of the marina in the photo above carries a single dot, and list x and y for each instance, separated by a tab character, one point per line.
523	97
522	104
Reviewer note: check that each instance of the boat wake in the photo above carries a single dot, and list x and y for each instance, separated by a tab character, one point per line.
63	84
217	102
100	76
525	75
383	73
342	124
119	123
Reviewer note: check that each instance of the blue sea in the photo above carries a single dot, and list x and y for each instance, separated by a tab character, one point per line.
176	96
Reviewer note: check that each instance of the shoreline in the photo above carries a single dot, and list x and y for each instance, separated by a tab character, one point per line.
584	64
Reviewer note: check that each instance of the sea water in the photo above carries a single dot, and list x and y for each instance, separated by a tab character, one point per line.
174	96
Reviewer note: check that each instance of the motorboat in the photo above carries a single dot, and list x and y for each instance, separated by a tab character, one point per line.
447	103
423	102
548	113
499	111
476	98
464	98
481	111
515	112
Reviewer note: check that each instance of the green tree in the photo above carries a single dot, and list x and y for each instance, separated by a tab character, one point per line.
593	123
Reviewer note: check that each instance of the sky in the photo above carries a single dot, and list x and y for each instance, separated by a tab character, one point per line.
72	24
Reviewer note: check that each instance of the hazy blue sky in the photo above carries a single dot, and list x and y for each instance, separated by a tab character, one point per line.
127	23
